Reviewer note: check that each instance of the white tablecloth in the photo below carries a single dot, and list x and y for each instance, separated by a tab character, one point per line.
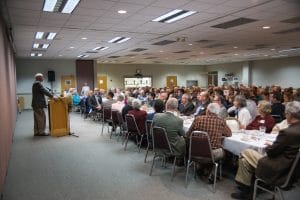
240	141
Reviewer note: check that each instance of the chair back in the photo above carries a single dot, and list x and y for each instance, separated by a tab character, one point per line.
131	124
277	118
292	170
160	139
114	117
148	125
200	147
120	118
106	113
233	124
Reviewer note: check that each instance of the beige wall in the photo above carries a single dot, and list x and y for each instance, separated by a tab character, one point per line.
116	73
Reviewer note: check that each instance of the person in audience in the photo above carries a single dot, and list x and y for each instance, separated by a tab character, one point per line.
173	126
215	127
202	102
95	100
251	104
85	89
142	96
277	107
241	111
151	99
186	107
163	96
119	104
219	99
274	167
109	100
139	115
127	107
279	126
38	104
264	118
159	107
180	92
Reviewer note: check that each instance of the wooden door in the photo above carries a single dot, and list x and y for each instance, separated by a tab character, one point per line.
171	81
67	82
102	82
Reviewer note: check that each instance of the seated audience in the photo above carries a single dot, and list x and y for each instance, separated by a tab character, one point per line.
159	107
151	99
119	104
274	167
277	107
219	99
173	126
109	100
202	102
186	107
95	101
140	115
264	118
279	126
241	111
127	107
215	127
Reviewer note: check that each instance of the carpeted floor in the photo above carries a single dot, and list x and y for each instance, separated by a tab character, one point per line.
93	167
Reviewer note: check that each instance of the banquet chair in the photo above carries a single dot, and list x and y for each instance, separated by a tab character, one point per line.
148	134
162	148
115	121
233	124
106	118
121	124
278	188
133	129
200	151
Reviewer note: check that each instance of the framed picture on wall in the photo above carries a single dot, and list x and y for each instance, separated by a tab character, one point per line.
191	83
68	82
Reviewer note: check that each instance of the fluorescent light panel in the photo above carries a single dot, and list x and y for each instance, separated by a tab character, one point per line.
45	35
99	48
288	50
63	6
82	56
119	40
173	16
40	46
36	54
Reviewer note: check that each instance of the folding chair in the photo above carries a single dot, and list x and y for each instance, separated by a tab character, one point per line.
133	129
106	117
277	188
162	148
148	134
200	151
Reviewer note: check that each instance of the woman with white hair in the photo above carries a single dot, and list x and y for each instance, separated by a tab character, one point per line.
140	115
264	118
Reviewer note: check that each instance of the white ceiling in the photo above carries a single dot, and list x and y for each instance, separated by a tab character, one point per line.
99	22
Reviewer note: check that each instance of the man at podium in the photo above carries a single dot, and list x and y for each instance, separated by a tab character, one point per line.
38	104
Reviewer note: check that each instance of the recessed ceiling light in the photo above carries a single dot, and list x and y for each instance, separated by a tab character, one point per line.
190	44
72	47
272	49
236	54
201	52
266	55
288	50
60	55
173	16
45	46
82	56
266	27
36	54
60	6
35	45
84	38
51	36
161	51
235	47
132	57
122	11
39	54
39	35
119	40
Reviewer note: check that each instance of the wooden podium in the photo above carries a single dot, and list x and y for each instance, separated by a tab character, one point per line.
59	123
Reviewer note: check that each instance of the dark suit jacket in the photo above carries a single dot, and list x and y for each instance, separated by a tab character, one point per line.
125	110
38	95
186	109
200	108
140	118
174	129
93	102
278	109
274	167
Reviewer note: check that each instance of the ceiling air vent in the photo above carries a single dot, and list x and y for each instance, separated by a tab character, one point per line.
139	49
292	20
234	23
164	42
293	30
